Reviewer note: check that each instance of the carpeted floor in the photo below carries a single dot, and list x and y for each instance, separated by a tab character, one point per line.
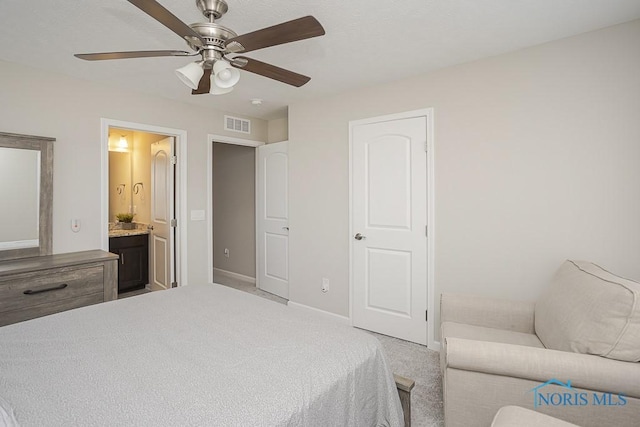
423	366
406	358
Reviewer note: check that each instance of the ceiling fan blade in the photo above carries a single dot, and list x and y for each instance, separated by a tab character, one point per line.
287	32
270	71
169	20
126	55
205	83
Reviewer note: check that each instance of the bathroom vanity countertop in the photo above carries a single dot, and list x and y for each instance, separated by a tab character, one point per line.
123	233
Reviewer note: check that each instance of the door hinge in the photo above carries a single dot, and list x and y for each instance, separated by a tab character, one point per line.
426	315
174	160
174	222
425	145
174	284
426	230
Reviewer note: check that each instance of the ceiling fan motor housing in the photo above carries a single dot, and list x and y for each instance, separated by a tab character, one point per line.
214	35
212	8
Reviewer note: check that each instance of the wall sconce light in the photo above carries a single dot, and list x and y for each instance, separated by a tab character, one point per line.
121	146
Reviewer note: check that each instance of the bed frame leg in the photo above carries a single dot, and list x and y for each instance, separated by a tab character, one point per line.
404	386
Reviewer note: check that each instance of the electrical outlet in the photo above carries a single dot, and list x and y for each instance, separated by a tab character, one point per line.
325	285
226	252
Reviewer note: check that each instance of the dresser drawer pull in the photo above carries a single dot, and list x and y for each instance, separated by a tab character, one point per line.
39	291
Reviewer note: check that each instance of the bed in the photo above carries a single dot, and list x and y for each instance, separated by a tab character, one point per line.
195	355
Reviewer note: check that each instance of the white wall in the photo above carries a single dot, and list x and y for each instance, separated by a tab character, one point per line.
537	156
38	102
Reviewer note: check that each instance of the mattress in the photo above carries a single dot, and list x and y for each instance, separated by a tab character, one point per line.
195	355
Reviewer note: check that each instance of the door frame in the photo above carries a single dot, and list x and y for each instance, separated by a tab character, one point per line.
180	186
427	113
213	138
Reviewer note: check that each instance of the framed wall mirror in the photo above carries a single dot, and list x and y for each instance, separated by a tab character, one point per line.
26	194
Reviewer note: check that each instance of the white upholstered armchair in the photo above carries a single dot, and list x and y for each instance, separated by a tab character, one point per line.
573	355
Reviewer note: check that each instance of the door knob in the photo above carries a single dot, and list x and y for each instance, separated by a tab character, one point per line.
359	236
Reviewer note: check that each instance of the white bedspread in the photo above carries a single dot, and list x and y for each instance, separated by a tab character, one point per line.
201	355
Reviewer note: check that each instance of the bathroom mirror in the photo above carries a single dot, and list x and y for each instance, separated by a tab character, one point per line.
120	186
121	145
130	164
26	187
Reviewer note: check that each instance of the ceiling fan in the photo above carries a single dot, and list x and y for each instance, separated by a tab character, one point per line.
217	72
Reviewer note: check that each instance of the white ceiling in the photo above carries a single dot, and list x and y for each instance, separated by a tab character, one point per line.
368	42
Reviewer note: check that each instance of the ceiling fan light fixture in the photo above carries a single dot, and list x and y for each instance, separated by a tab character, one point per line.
217	90
224	75
191	74
213	41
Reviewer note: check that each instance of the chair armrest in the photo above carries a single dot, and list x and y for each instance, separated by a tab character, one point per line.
495	313
540	364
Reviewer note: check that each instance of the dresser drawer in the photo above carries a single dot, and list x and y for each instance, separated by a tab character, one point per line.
28	313
50	287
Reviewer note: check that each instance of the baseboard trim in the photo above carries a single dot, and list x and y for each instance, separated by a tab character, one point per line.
233	275
342	319
435	346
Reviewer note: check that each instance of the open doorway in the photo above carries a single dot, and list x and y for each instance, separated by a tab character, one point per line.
142	184
234	198
234	219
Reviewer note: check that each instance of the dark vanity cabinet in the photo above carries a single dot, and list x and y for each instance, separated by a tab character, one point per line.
133	265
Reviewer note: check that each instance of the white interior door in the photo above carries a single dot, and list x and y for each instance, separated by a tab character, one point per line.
272	217
389	219
162	238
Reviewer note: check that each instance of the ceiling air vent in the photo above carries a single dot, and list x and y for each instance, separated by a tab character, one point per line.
235	124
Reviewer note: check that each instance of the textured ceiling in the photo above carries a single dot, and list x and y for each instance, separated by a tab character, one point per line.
368	42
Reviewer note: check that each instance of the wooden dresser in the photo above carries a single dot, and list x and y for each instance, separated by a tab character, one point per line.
38	286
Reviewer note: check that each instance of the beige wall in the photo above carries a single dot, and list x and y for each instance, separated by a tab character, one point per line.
70	110
278	130
234	208
536	161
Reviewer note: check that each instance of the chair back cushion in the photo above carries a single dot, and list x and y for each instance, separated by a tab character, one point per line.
590	310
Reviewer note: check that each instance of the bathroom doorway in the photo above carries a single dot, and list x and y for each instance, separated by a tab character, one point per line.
143	181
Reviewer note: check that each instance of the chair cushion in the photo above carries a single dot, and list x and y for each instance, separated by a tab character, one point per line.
515	416
480	333
590	310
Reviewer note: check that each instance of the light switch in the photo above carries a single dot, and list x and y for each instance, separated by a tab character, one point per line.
197	215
